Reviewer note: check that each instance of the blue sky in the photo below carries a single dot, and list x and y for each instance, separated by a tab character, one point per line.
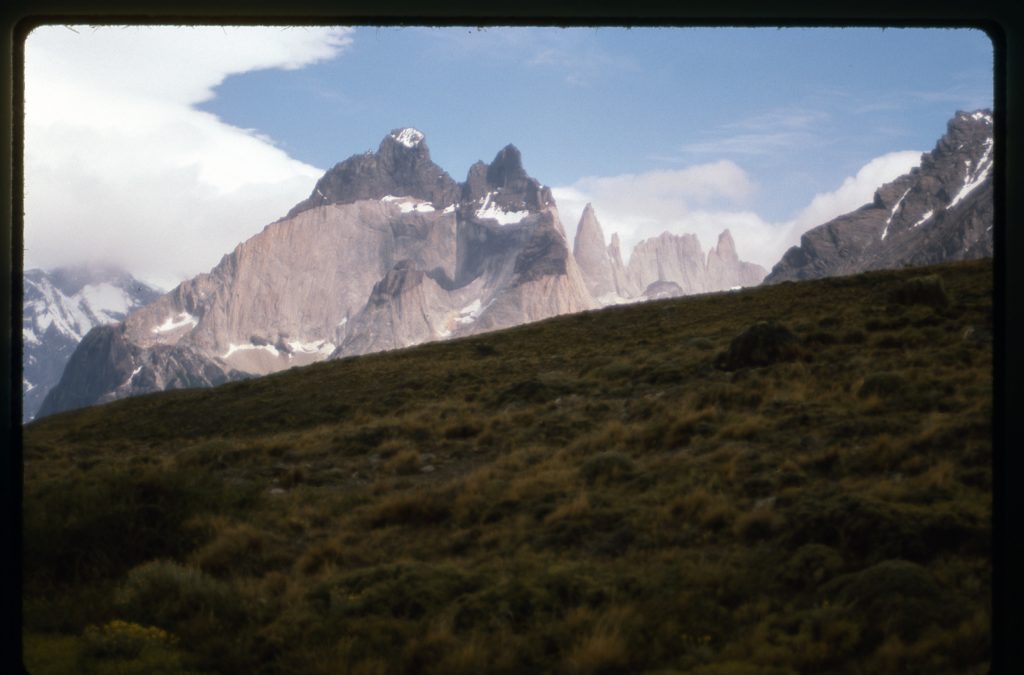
688	129
799	108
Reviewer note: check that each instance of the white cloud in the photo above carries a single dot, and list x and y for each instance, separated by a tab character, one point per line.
638	206
119	165
645	205
854	192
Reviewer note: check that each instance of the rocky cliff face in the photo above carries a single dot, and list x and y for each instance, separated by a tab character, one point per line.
942	210
60	307
387	252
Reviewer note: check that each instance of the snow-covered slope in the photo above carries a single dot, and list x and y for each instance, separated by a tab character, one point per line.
62	305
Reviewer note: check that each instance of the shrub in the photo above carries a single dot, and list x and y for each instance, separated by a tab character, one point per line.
885	385
121	638
166	594
810	565
702	343
604	650
762	344
607	467
894	597
411	508
927	290
854	337
757	525
404	463
238	549
823	338
105	523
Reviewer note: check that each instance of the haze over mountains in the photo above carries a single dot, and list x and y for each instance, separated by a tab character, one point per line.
389	251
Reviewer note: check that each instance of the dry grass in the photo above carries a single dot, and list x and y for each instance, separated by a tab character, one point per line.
601	498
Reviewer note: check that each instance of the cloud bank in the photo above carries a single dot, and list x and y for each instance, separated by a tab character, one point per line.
707	198
121	168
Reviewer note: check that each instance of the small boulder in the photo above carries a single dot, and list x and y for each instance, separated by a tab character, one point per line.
762	344
927	290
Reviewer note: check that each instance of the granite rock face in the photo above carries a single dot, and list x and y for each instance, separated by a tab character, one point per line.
942	210
387	252
601	266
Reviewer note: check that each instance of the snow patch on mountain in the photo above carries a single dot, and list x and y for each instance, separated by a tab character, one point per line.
928	214
322	347
472	312
888	221
174	323
60	307
983	171
410	204
408	137
492	211
232	348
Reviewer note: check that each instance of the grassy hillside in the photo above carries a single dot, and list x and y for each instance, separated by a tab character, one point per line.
609	492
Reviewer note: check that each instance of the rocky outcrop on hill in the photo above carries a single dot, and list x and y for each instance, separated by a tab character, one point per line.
942	210
387	252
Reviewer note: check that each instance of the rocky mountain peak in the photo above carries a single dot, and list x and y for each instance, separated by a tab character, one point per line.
505	184
408	137
940	210
401	167
593	258
589	228
506	168
726	248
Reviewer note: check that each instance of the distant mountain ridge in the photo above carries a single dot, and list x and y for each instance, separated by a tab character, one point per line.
60	307
942	210
669	265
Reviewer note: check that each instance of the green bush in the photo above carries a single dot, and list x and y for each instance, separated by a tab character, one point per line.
240	549
167	594
894	597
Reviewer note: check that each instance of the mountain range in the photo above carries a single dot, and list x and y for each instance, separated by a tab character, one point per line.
389	251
